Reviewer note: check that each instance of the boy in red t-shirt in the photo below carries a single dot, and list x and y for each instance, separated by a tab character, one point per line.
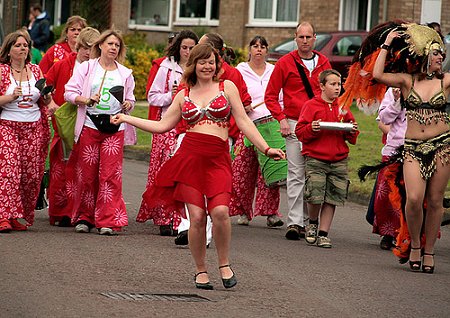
325	152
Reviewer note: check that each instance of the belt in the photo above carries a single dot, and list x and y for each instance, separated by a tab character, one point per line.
263	120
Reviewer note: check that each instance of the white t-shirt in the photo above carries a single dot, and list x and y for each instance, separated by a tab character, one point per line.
24	108
311	63
108	103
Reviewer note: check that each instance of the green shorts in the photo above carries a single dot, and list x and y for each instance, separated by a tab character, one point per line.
326	181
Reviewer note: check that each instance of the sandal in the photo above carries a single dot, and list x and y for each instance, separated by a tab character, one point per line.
428	269
17	226
414	265
5	226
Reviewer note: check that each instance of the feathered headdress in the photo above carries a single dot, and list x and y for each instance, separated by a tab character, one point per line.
406	55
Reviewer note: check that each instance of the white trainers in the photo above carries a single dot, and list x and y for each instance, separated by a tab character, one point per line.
106	231
311	233
324	241
82	228
243	220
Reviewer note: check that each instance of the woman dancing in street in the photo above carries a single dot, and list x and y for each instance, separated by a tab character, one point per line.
199	174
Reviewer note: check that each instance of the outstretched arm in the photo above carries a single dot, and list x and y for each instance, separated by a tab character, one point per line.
169	121
246	125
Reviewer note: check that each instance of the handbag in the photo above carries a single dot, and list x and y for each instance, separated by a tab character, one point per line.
66	117
103	124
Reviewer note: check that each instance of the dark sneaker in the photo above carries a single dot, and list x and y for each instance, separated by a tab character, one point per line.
274	221
293	232
387	242
311	233
182	238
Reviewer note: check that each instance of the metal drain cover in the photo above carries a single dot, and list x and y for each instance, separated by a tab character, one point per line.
160	297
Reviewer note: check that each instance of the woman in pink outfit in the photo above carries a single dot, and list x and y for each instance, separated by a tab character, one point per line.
94	186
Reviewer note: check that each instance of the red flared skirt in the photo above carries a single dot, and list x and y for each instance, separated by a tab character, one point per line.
202	162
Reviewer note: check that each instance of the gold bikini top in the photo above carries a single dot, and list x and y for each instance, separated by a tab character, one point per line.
427	112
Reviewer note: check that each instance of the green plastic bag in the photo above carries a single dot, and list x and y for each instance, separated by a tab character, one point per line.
66	117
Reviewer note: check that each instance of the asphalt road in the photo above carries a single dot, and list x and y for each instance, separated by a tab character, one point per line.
55	272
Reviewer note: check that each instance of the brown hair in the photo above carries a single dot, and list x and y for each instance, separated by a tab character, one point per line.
75	19
199	52
324	74
87	37
174	48
9	41
216	40
105	34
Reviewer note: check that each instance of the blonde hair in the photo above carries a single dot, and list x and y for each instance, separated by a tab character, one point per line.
122	51
87	37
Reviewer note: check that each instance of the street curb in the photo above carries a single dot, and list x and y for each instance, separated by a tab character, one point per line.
143	155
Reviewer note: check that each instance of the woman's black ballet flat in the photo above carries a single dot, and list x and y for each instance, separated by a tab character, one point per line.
415	265
229	282
207	285
428	269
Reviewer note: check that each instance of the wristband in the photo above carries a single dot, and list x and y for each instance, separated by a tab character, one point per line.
385	46
266	151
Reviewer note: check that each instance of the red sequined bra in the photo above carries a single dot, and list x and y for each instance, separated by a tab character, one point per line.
217	111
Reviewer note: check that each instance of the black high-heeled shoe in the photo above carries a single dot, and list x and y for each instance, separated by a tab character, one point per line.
414	265
207	285
428	269
228	282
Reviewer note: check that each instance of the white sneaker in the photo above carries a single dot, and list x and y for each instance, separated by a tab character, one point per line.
106	231
243	220
82	228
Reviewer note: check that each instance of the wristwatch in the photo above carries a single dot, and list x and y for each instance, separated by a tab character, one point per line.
384	46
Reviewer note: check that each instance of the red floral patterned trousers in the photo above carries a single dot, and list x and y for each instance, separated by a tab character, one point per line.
23	150
94	179
246	178
163	146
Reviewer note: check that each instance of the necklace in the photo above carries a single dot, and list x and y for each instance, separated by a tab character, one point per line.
25	98
430	76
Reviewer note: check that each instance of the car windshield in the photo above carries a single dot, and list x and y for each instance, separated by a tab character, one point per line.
289	45
321	40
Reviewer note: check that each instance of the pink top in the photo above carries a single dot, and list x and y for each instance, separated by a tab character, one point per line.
81	82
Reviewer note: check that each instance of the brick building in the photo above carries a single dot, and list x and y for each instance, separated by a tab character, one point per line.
237	20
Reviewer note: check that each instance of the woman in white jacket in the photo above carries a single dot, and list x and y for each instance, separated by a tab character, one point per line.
164	87
246	169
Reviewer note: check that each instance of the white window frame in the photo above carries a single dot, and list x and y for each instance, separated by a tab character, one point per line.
144	27
270	22
351	6
206	21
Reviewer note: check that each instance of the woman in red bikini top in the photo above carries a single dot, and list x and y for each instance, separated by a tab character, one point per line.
217	111
200	170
